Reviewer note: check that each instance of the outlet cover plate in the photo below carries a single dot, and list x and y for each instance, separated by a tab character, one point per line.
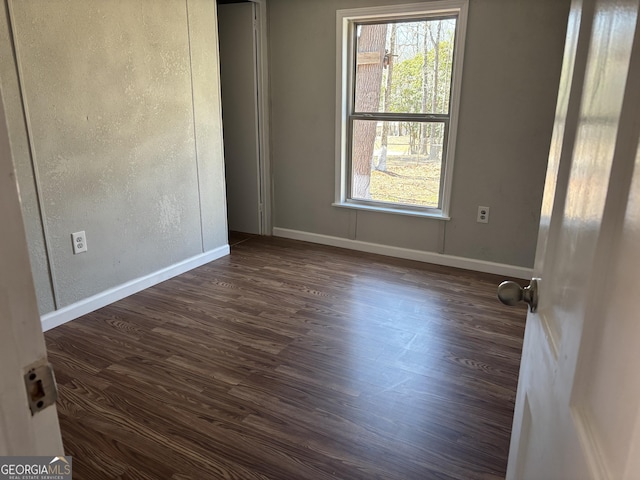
79	240
483	215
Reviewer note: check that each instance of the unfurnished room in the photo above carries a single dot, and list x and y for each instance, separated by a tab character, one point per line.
319	239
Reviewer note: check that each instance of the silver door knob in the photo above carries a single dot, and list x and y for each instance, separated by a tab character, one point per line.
510	293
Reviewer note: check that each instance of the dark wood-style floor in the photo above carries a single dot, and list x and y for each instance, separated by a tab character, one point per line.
287	360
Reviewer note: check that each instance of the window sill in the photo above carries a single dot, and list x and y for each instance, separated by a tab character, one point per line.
398	211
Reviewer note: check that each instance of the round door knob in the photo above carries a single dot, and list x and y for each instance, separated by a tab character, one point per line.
510	293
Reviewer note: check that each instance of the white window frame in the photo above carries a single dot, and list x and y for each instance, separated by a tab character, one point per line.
346	19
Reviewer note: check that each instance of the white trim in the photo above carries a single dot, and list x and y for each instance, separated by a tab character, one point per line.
592	449
456	93
21	343
399	252
102	299
264	115
431	213
344	74
409	10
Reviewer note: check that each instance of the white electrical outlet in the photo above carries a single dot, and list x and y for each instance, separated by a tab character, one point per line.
79	240
483	215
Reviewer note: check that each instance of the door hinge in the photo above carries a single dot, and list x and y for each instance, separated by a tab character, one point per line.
40	383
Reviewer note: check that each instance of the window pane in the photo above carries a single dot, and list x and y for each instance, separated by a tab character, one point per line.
404	67
398	162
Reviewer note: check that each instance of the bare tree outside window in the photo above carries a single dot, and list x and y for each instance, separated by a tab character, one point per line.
401	110
369	61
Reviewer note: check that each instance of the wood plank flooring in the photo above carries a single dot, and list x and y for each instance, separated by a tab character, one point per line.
287	360
238	237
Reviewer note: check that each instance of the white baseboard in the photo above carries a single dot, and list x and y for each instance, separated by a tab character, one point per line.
421	256
102	299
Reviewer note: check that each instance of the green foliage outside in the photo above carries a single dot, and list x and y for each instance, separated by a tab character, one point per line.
409	94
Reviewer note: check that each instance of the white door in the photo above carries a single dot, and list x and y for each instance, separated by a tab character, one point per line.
240	115
577	408
21	340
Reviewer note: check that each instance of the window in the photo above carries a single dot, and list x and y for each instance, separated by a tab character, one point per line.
399	71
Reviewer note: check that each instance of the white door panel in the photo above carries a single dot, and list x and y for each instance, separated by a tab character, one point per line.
578	395
21	338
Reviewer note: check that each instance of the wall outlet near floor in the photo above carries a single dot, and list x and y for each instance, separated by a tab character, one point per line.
79	240
483	215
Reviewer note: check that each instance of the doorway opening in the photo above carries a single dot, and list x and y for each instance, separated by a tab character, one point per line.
243	80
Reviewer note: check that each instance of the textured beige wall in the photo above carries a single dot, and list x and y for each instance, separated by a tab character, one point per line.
20	150
208	120
123	112
511	73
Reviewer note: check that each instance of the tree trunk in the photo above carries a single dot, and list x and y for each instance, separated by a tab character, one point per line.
367	99
434	99
425	127
382	159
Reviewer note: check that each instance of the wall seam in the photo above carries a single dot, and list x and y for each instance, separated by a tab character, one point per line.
443	239
195	134
32	155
